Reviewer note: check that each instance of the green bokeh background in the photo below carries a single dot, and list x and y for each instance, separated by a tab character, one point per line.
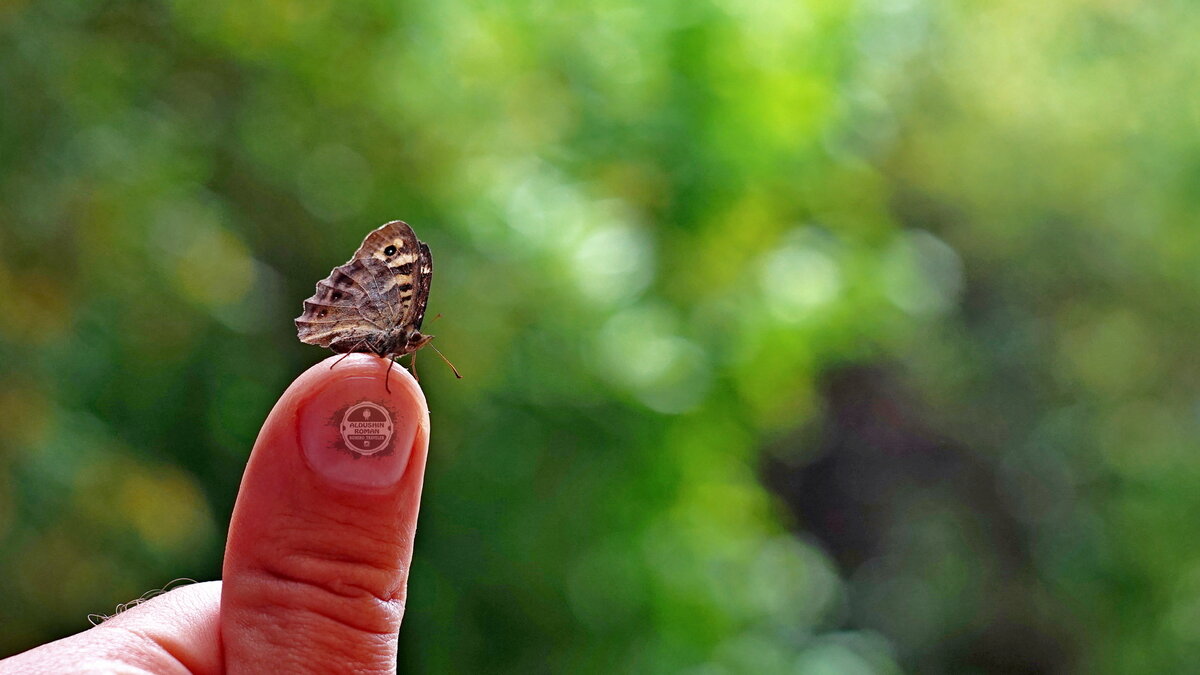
823	336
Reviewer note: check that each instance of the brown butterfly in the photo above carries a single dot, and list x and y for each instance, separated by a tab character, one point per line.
375	302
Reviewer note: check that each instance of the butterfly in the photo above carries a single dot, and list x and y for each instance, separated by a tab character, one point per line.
376	301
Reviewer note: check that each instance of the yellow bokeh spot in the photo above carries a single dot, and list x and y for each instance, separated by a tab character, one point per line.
34	306
215	268
166	509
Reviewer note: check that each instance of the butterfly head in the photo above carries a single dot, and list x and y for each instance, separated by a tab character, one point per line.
416	340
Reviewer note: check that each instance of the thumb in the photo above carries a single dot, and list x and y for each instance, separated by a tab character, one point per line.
316	565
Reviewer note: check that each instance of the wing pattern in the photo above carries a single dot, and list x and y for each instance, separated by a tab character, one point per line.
375	301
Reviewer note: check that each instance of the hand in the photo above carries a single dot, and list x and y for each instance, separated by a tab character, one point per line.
316	566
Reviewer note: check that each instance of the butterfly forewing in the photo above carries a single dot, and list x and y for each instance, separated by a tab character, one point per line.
424	277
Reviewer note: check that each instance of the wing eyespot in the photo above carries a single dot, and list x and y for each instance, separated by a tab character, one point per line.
390	251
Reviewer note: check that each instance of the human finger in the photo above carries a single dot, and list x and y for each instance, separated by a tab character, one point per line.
316	564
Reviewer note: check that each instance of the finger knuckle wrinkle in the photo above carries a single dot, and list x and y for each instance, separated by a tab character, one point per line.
356	595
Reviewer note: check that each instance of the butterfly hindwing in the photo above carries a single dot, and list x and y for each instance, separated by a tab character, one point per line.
344	304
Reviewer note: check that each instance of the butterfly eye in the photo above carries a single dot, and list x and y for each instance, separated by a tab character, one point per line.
391	250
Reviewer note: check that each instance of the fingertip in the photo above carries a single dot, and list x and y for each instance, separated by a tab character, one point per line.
391	377
359	419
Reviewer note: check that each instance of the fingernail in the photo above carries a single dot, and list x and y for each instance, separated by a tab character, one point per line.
356	435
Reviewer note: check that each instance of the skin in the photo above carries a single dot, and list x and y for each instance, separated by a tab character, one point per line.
316	564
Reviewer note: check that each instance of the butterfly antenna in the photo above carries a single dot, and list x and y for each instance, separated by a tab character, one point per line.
439	353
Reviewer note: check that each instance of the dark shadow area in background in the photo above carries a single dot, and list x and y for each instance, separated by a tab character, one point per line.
877	460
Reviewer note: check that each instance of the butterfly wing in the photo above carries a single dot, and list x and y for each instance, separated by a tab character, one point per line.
384	286
411	267
424	277
351	308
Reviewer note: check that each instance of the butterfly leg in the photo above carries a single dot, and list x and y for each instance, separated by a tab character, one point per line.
387	375
412	365
360	343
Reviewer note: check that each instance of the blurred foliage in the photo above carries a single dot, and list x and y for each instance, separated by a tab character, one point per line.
818	337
